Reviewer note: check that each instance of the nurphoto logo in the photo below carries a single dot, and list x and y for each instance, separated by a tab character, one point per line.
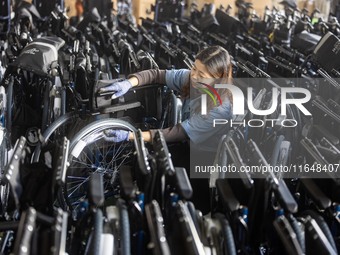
238	106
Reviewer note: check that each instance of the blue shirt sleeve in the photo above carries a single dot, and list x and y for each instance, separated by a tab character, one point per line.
200	128
175	79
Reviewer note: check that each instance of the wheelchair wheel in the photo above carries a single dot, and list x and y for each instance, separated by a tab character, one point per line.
89	152
51	131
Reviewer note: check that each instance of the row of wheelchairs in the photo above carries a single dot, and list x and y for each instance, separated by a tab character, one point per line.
129	198
40	95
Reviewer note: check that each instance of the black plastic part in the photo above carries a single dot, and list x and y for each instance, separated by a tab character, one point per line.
319	198
226	195
126	181
183	183
286	198
96	195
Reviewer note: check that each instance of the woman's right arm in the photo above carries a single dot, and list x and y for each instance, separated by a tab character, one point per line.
151	76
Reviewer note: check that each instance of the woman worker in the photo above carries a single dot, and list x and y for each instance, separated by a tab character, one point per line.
212	66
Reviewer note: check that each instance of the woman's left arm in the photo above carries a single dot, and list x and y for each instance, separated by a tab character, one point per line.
171	134
197	128
145	134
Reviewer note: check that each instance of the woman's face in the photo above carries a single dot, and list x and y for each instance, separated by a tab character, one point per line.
199	73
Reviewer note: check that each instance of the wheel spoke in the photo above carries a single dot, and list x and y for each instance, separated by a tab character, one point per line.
83	163
77	187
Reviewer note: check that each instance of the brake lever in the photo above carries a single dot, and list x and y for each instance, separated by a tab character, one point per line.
260	160
60	233
62	164
134	59
155	222
326	110
25	232
334	105
278	186
314	231
163	158
287	235
313	151
142	154
12	171
325	75
235	155
189	230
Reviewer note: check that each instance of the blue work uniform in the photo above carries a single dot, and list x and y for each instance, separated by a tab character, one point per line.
199	128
